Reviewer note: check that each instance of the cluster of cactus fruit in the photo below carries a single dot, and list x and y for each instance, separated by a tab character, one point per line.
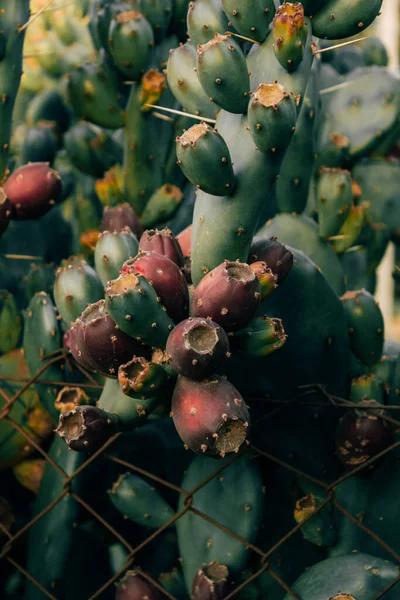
195	201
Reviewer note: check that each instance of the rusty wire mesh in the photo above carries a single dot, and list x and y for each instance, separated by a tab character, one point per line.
190	495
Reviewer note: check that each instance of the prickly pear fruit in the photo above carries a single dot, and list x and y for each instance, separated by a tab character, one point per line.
289	31
33	190
266	278
133	304
97	341
133	587
40	143
5	211
229	295
139	501
77	285
210	416
204	19
366	387
319	529
167	280
272	117
162	205
29	473
40	278
362	434
112	250
350	230
115	218
138	377
197	347
110	189
205	160
334	200
251	20
70	397
85	428
163	242
185	240
210	582
130	38
223	73
261	337
366	325
90	149
10	322
337	19
275	255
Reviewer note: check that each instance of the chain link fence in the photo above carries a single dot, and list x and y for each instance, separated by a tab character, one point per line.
327	490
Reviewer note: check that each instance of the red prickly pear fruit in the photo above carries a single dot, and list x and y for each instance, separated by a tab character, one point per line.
167	280
163	242
362	434
98	344
266	278
115	218
210	582
134	587
210	416
196	347
229	295
5	211
275	255
33	190
185	240
85	428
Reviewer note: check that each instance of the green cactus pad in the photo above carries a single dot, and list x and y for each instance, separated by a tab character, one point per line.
111	251
204	19
366	326
344	18
334	200
223	73
205	160
139	501
251	20
135	307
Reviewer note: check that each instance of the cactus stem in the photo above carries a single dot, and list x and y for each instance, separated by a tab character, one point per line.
337	46
182	113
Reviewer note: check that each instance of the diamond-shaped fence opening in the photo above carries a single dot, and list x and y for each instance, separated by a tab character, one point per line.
260	557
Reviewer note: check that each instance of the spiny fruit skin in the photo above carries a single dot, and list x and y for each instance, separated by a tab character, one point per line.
334	200
85	428
185	240
5	211
139	377
272	117
167	280
266	278
97	341
70	397
163	242
362	434
204	19
197	347
33	190
134	587
223	73
205	160
275	255
366	325
289	31
229	295
261	337
163	203
210	416
130	38
338	19
251	20
115	218
210	582
112	250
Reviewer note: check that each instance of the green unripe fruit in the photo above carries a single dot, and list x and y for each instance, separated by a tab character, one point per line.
223	73
339	19
262	337
366	387
272	117
162	205
40	143
204	19
205	160
112	250
10	322
130	39
334	200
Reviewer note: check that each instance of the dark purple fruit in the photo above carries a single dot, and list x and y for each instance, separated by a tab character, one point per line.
276	256
98	344
210	416
5	211
115	218
166	278
361	434
229	295
134	587
85	428
210	582
197	347
163	242
33	190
